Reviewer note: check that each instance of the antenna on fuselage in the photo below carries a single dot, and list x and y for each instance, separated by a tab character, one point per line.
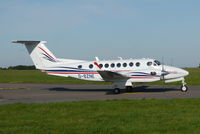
120	58
97	58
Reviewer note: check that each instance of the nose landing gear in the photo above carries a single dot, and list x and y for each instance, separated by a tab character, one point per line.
184	87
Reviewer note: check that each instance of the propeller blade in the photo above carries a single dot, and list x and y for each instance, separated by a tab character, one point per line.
163	72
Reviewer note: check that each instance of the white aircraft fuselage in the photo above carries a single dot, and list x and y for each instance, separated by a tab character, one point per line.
123	73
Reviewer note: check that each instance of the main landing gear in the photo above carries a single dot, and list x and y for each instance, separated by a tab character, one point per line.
116	91
129	88
120	85
184	87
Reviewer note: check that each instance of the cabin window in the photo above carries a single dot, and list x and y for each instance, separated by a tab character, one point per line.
131	64
106	65
112	65
149	63
124	64
137	64
118	64
100	65
90	66
80	66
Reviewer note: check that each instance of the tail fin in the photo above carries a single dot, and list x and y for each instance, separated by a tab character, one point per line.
39	53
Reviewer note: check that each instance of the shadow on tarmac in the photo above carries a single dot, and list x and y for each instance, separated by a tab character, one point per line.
135	89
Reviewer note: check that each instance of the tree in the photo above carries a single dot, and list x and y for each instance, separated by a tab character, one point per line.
20	67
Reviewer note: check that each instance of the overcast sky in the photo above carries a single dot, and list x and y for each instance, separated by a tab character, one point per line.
83	29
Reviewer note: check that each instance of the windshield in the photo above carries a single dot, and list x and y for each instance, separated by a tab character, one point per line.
157	62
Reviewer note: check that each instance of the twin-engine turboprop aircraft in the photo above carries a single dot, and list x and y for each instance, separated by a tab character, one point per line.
123	73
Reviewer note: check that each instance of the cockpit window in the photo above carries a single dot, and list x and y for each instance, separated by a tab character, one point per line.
157	62
149	63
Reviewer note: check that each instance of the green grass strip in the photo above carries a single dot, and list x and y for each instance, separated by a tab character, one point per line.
181	116
35	76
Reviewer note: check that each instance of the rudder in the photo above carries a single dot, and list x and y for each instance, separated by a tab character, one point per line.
39	53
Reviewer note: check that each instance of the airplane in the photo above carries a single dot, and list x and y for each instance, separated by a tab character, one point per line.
122	73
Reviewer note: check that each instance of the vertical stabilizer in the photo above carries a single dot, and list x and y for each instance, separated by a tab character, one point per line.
40	54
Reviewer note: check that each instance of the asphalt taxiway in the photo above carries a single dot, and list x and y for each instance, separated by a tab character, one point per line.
44	93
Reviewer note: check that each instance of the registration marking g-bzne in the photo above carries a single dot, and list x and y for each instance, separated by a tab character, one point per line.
86	76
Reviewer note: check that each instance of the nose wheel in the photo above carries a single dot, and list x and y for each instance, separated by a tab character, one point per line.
184	87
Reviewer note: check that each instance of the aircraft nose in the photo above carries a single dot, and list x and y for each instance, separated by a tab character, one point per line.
175	72
183	72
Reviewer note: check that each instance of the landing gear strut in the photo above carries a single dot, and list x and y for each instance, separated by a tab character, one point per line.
120	85
129	88
184	87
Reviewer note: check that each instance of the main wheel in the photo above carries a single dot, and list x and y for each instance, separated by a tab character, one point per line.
184	88
116	91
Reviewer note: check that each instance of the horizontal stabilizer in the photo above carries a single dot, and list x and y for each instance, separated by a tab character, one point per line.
28	42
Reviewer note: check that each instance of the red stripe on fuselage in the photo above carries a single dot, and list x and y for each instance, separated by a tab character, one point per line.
95	63
72	73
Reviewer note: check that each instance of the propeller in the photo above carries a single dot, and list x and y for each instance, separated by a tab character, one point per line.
163	72
162	76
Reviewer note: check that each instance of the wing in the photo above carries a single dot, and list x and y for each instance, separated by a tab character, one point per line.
111	76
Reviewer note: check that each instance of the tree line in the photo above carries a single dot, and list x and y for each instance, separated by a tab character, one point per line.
19	67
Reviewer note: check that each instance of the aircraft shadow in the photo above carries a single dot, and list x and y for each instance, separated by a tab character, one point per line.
153	89
109	91
77	90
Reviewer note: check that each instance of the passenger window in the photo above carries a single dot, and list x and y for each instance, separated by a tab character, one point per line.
131	64
112	65
90	66
149	63
80	66
100	65
137	64
124	64
118	64
106	65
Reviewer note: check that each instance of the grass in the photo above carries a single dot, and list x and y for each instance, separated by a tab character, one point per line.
194	76
35	76
103	117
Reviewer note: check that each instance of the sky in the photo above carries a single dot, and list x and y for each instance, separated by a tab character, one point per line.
83	29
